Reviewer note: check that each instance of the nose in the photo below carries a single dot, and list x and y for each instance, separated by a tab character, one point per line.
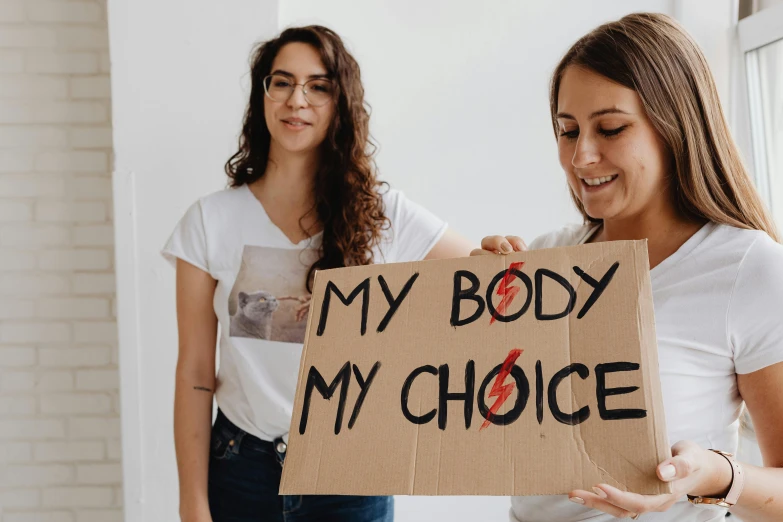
297	98
586	152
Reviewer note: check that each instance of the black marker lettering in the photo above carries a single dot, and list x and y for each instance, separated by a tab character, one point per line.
539	393
459	294
522	390
364	386
572	419
602	392
491	290
315	380
445	395
406	389
394	303
598	286
562	281
363	288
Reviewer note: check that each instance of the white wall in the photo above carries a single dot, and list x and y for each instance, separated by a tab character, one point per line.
178	74
460	108
460	100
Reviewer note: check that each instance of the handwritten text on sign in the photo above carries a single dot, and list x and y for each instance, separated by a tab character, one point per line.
520	382
393	351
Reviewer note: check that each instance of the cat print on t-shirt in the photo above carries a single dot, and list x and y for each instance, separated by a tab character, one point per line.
269	299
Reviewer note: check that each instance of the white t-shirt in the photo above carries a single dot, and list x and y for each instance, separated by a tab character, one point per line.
260	277
717	302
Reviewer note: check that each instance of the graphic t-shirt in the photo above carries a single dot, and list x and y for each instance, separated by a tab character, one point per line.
261	300
716	315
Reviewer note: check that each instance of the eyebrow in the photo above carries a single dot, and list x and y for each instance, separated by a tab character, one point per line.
566	116
290	75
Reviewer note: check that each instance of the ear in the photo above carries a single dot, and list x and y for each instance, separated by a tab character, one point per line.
242	299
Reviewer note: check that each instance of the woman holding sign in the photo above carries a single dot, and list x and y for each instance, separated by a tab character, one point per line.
304	196
647	154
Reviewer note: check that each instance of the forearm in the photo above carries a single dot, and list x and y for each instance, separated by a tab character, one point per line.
762	496
192	430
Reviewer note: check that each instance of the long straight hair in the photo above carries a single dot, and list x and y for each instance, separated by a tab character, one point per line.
653	55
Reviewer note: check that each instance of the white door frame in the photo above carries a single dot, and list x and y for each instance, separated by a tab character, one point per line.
753	32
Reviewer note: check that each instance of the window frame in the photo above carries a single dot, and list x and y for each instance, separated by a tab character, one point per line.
754	32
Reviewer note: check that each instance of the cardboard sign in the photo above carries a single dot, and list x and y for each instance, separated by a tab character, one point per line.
529	374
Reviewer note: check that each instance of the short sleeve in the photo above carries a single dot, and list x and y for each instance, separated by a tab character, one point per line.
414	229
755	329
188	240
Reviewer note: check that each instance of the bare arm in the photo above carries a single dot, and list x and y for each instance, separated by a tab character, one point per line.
450	245
762	497
195	386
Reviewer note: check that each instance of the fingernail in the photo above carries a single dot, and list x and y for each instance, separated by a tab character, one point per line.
600	492
505	247
668	472
577	500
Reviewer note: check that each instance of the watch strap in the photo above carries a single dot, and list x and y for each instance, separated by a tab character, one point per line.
735	489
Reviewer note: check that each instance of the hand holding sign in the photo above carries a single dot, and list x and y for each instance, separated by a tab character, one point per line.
500	245
543	362
691	470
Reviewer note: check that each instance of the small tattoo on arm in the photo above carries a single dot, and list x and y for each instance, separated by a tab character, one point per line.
201	388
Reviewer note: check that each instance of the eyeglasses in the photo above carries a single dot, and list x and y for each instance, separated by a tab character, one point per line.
317	92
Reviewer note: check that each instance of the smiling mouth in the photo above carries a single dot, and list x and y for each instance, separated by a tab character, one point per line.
597	182
295	123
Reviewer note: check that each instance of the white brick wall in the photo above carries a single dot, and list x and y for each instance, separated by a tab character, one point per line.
59	427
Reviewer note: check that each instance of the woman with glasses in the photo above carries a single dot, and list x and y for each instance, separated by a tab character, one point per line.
303	196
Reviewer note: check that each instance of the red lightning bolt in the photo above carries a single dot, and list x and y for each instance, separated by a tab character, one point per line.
500	390
508	293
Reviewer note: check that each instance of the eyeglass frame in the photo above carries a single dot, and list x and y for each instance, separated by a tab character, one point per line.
294	85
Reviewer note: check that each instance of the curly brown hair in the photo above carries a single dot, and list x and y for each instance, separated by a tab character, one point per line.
348	200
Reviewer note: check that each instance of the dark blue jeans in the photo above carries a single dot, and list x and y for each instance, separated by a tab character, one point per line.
244	478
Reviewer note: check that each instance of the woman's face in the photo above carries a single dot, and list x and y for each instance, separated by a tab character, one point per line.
615	161
294	124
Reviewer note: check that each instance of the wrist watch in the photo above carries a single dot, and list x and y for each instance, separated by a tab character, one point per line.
735	489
